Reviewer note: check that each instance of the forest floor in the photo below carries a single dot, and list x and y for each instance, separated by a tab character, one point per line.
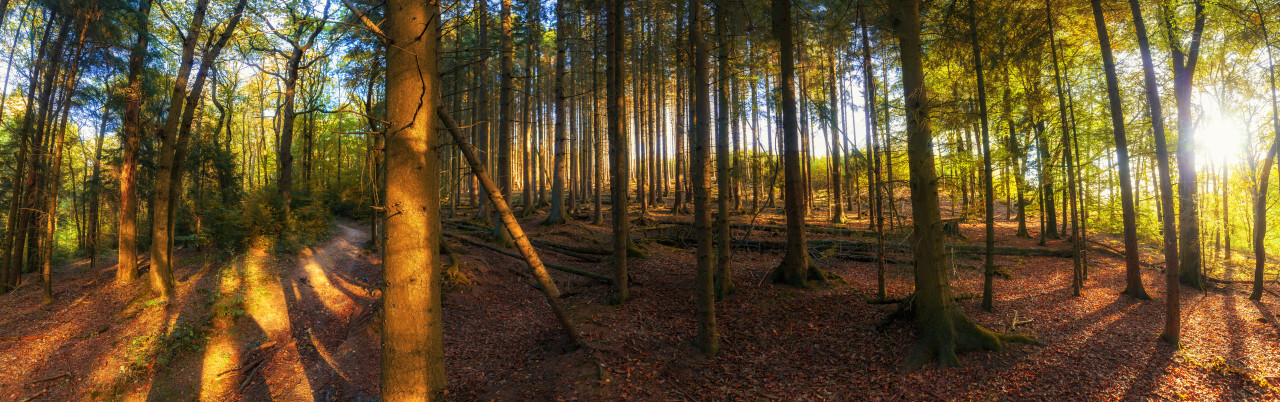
261	326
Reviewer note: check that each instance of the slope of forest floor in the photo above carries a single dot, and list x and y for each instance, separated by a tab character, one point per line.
305	326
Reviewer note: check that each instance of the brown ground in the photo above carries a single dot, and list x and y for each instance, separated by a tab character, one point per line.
305	327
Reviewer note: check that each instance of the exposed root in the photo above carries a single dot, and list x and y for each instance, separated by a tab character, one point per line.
945	335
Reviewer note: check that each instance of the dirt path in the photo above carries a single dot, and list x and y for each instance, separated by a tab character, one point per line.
256	326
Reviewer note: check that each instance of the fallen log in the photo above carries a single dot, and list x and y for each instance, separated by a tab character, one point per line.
580	250
498	250
852	246
814	229
569	251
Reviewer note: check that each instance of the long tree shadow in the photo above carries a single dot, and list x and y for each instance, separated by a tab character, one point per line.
316	328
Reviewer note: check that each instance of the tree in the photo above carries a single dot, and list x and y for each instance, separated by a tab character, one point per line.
558	214
618	149
412	333
723	276
943	327
1260	194
989	266
796	268
127	263
305	30
1133	276
700	89
506	113
1184	67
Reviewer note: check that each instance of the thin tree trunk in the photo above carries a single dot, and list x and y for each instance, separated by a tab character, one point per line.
558	214
708	341
618	152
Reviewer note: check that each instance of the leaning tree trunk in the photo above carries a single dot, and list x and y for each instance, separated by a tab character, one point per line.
1133	276
161	271
943	327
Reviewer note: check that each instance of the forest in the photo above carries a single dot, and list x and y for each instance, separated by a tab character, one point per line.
656	200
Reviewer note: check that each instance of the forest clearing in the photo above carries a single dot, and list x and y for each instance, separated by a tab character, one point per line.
411	200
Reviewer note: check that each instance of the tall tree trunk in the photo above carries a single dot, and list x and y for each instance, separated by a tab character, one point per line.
796	268
1077	242
989	265
1260	195
527	164
678	206
836	197
618	146
1133	277
942	325
412	336
558	214
1184	67
723	275
506	114
161	271
708	341
874	198
95	183
15	234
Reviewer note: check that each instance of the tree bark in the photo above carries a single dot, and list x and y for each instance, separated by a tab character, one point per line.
1260	195
796	268
618	147
708	342
943	327
558	215
723	274
1133	276
1184	67
412	333
989	265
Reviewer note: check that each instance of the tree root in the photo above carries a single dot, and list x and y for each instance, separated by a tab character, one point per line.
780	276
943	336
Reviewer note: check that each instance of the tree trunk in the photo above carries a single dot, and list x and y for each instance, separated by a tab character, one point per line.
708	341
1077	242
1184	67
1260	196
943	327
161	271
412	333
506	114
618	152
836	197
1133	275
558	214
796	268
723	275
989	265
